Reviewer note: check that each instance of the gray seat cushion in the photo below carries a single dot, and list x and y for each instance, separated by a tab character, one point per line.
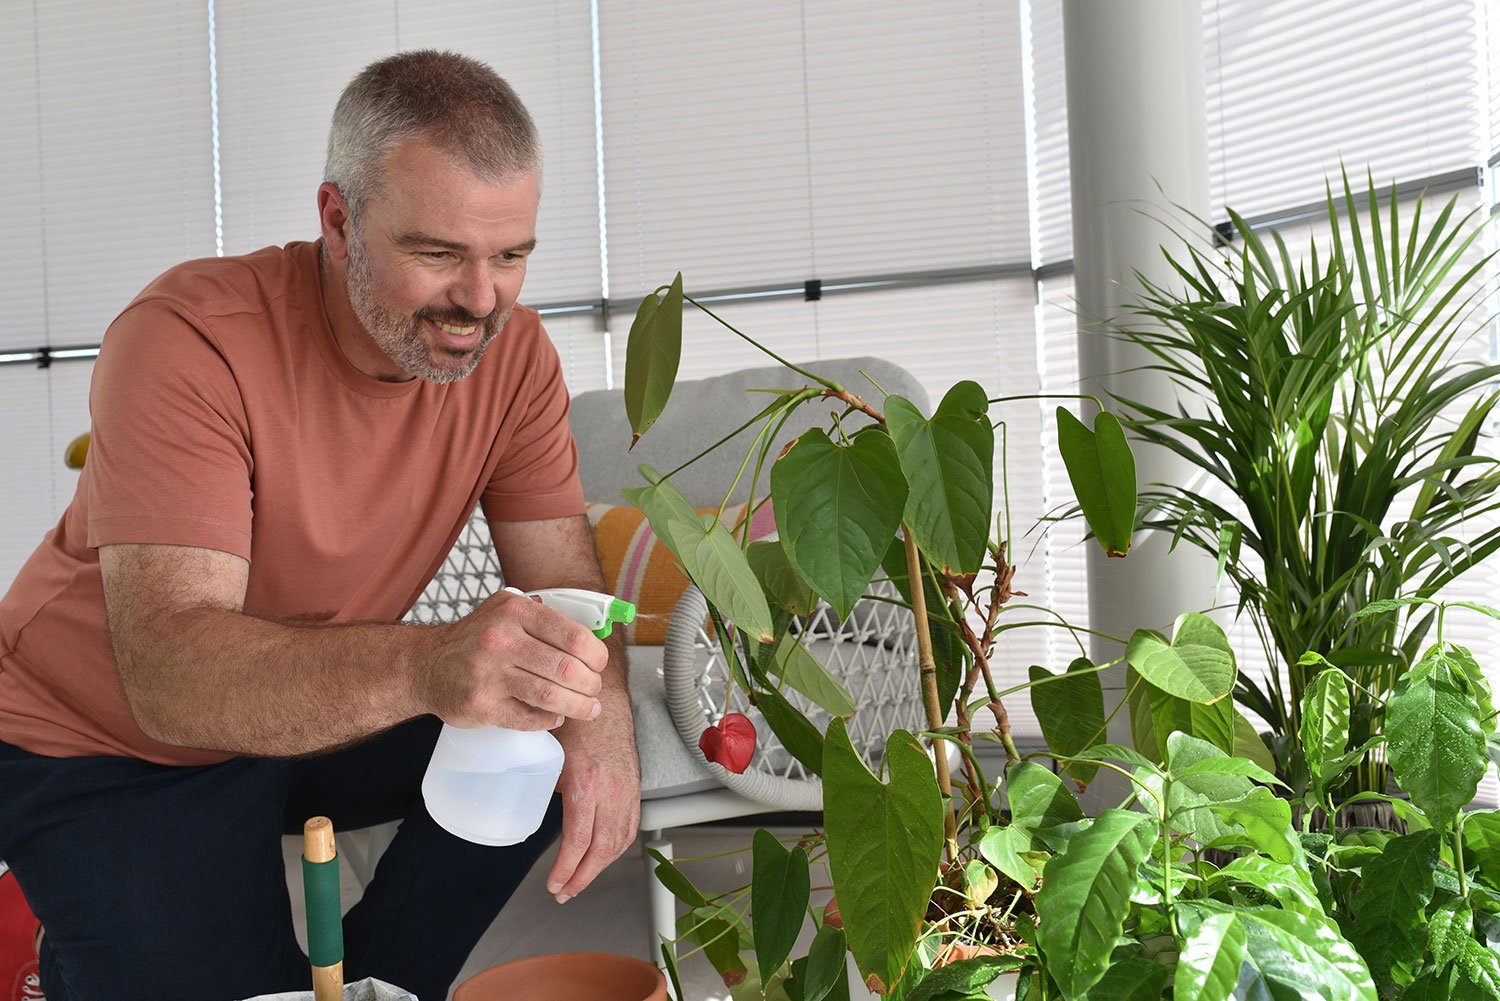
668	767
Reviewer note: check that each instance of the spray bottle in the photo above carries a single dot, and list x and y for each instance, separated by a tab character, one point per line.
491	786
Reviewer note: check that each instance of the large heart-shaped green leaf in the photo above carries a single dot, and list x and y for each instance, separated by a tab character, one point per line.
1436	741
1101	468
1070	710
1154	715
715	562
797	667
1085	897
651	357
782	584
1002	848
949	463
778	900
837	508
1391	906
884	845
1197	665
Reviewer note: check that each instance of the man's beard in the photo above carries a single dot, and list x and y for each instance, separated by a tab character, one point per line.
400	336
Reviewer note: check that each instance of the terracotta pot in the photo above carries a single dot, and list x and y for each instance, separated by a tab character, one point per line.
568	976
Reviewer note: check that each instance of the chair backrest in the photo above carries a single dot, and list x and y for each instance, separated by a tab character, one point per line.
699	413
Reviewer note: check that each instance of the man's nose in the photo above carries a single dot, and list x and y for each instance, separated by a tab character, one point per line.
473	291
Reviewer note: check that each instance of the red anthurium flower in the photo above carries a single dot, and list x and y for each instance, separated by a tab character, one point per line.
730	742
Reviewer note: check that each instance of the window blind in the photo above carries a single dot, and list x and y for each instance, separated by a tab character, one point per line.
773	145
104	184
1292	90
277	89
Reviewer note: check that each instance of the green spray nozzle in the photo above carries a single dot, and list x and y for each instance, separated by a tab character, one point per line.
598	611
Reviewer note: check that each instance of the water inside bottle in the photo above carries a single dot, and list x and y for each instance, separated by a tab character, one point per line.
490	808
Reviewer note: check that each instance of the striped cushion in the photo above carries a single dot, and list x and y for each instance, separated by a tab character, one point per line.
640	570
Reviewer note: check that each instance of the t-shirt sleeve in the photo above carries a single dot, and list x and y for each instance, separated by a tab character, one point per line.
169	459
537	475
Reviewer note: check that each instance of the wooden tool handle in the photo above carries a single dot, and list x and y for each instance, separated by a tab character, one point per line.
317	840
318	846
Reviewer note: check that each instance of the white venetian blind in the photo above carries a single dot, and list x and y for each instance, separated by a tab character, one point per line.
1049	113
277	90
774	144
107	177
1292	90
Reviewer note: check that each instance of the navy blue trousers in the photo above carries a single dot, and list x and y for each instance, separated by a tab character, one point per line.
158	882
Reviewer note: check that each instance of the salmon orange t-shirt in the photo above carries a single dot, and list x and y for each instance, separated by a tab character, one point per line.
225	416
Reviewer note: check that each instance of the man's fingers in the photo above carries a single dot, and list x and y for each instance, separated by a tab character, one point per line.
559	632
577	837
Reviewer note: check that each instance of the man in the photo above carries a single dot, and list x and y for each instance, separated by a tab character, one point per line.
206	650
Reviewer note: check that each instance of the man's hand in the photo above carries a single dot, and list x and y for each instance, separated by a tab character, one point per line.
601	790
514	663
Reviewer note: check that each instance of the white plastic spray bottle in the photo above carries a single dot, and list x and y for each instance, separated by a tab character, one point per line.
491	786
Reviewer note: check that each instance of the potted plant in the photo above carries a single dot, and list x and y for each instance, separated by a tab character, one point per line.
1326	405
936	890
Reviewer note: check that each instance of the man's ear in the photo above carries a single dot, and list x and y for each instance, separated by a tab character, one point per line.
333	218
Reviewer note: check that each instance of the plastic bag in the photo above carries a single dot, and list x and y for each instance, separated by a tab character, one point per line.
368	989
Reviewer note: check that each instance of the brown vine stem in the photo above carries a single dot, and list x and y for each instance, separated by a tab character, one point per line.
856	403
981	653
929	685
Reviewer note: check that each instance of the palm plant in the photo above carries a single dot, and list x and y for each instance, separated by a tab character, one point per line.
1326	405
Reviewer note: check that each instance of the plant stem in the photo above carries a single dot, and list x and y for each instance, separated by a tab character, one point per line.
1458	859
752	341
928	668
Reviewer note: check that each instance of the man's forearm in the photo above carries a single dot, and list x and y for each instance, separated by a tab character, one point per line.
227	681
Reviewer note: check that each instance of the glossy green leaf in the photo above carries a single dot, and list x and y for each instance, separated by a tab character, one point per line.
673	879
962	979
778	900
801	670
662	503
711	929
783	586
1390	907
948	461
1289	885
1197	665
1295	957
1208	965
1479	966
1437	749
1325	724
1482	844
1449	927
1102	470
825	969
837	508
1039	802
1071	713
715	562
1248	743
651	357
884	845
1085	898
1266	820
1193	794
1002	848
1133	978
795	731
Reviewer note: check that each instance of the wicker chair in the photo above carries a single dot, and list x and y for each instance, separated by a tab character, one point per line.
679	688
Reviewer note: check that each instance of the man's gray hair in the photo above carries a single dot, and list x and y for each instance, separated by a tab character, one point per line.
458	104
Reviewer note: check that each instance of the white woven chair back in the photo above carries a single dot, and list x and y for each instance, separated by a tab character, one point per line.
469	574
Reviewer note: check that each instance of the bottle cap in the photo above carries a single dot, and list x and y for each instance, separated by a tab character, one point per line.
620	611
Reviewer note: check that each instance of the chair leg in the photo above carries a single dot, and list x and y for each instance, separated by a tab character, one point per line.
663	905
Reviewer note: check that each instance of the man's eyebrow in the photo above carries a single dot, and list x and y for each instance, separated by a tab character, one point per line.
420	239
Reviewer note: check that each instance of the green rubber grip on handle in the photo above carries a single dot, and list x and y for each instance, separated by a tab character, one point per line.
325	920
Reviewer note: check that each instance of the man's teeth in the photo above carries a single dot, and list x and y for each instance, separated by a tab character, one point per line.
449	328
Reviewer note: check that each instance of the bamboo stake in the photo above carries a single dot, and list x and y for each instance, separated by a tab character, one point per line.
929	683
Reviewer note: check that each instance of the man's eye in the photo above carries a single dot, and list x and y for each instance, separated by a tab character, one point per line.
434	255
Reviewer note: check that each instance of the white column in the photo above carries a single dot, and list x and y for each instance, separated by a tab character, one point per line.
1137	136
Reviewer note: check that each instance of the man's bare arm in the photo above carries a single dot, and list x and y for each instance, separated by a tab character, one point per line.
199	672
